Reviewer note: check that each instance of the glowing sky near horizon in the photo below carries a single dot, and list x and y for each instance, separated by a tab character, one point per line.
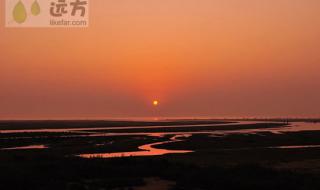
218	58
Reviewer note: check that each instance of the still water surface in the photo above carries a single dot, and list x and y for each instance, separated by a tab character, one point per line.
146	150
31	147
150	150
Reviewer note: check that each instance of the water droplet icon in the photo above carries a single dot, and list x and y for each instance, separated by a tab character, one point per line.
19	13
35	8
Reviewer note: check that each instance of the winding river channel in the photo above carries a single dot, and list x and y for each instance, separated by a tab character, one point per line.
150	149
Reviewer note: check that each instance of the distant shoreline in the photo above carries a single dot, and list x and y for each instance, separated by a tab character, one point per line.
61	124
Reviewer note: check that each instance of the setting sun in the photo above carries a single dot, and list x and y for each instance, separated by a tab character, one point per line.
155	103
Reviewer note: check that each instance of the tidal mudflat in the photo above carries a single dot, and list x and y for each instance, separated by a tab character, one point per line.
186	154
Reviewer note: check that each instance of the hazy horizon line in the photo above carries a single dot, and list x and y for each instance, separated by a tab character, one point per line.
157	118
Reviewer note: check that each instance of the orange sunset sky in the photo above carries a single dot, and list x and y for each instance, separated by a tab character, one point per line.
218	58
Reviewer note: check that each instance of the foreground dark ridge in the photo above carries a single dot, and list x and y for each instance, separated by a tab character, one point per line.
32	173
